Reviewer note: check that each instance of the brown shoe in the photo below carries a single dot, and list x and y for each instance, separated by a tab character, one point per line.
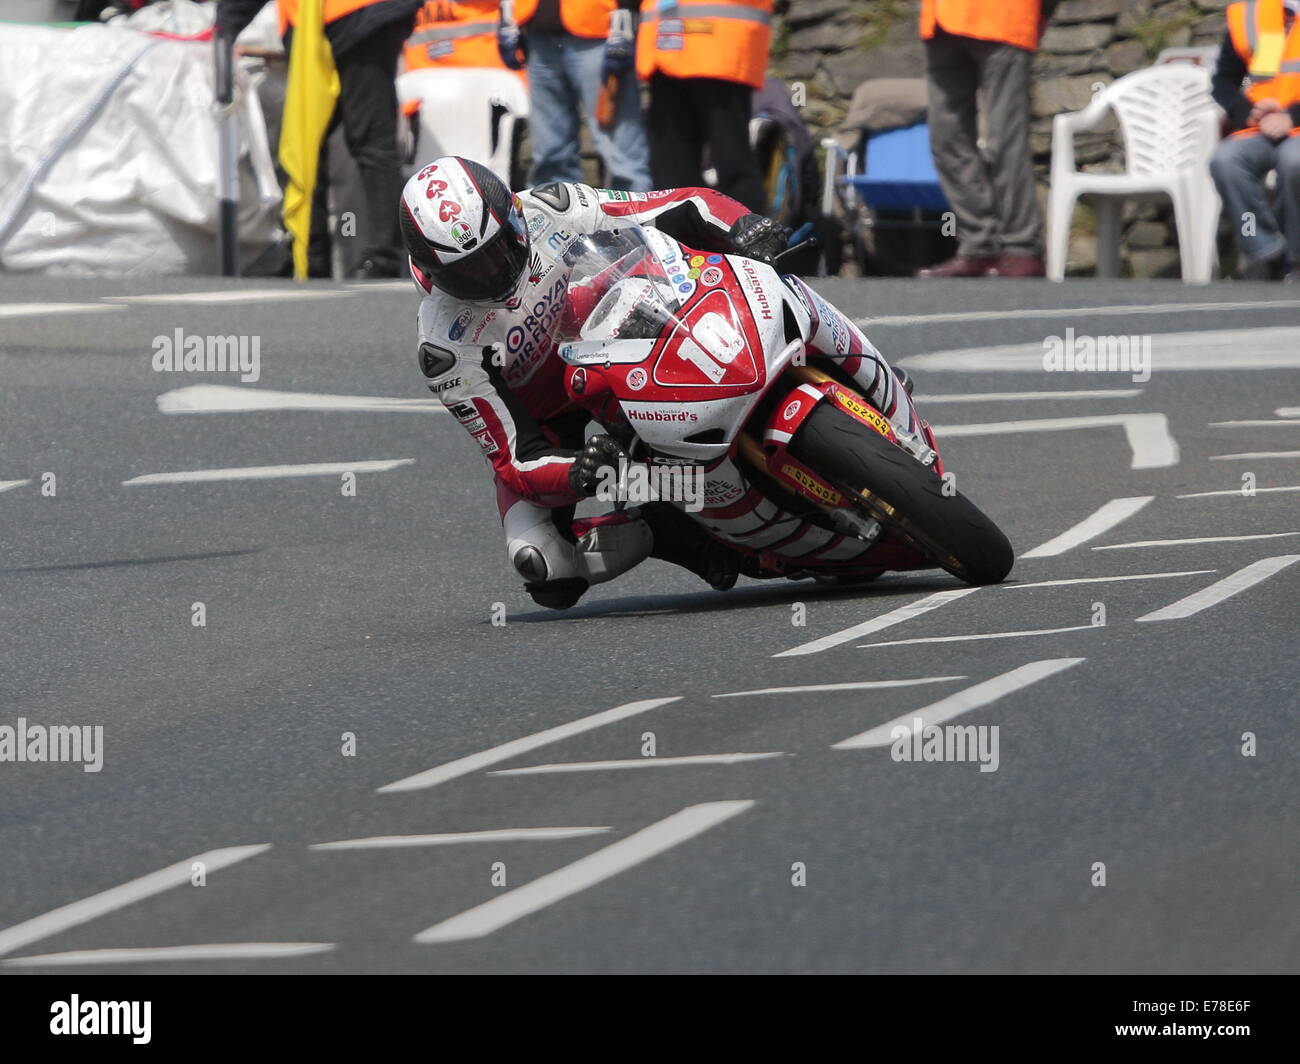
961	266
1019	266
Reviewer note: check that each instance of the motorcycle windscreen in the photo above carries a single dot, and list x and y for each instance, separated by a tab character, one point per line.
618	291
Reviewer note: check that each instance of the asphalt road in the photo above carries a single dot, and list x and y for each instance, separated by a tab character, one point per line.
371	615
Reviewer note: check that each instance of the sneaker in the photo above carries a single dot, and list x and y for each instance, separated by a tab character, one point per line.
1273	269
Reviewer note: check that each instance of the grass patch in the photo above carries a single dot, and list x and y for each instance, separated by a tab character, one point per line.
1154	32
877	17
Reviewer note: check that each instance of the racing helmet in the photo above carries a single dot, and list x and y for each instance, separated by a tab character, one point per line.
464	230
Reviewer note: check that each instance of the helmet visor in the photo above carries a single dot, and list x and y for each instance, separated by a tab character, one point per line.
489	274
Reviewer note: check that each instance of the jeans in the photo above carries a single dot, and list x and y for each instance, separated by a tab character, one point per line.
563	80
1239	166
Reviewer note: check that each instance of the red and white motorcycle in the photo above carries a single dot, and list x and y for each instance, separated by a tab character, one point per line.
699	361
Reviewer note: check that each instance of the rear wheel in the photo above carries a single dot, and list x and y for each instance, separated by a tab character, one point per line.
886	482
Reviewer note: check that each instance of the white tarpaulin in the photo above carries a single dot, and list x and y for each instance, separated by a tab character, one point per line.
108	154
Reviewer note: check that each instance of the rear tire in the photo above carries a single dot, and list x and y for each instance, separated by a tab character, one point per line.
903	495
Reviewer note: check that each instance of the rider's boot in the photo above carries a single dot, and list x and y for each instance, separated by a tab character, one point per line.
681	541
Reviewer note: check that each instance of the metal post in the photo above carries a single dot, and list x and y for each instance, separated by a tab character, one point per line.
227	156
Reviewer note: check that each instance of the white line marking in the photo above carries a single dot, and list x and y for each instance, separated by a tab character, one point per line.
885	620
9	485
856	685
388	842
961	702
634	762
1253	454
1198	539
317	469
583	873
383	286
986	635
1269	347
465	765
1006	397
28	310
247	295
217	951
1110	579
79	912
231	399
1287	411
1251	575
1234	491
1258	423
1072	312
1106	518
1147	434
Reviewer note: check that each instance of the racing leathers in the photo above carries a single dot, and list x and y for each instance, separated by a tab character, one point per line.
494	367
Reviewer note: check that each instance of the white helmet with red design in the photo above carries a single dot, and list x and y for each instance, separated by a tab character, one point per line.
464	230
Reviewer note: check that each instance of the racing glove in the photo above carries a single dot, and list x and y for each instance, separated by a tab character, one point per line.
758	237
588	471
620	46
512	45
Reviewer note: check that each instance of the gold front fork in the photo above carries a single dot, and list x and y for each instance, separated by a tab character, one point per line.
750	449
806	374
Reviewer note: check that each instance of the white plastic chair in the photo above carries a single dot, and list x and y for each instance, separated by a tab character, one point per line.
1207	57
1169	125
466	111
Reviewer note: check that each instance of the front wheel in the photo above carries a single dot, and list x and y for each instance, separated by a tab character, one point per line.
887	483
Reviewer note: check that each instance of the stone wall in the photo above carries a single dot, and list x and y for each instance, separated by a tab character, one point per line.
831	46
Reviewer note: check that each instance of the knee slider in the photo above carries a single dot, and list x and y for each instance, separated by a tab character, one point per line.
530	564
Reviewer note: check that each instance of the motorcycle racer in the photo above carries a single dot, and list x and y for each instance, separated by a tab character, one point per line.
490	266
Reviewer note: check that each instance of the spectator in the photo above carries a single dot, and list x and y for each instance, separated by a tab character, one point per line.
572	49
366	38
986	47
1261	50
704	61
454	33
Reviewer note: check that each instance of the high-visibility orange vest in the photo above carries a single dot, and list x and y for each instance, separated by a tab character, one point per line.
1015	22
1271	54
458	33
582	18
334	9
724	39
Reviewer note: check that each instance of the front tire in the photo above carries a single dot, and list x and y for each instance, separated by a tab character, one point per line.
890	485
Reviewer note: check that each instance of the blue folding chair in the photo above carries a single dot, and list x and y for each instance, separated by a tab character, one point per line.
900	174
889	181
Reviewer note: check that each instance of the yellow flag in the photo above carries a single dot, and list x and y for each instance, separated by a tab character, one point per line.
312	88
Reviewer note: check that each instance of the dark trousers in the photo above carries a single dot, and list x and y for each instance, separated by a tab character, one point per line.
993	193
367	109
689	114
